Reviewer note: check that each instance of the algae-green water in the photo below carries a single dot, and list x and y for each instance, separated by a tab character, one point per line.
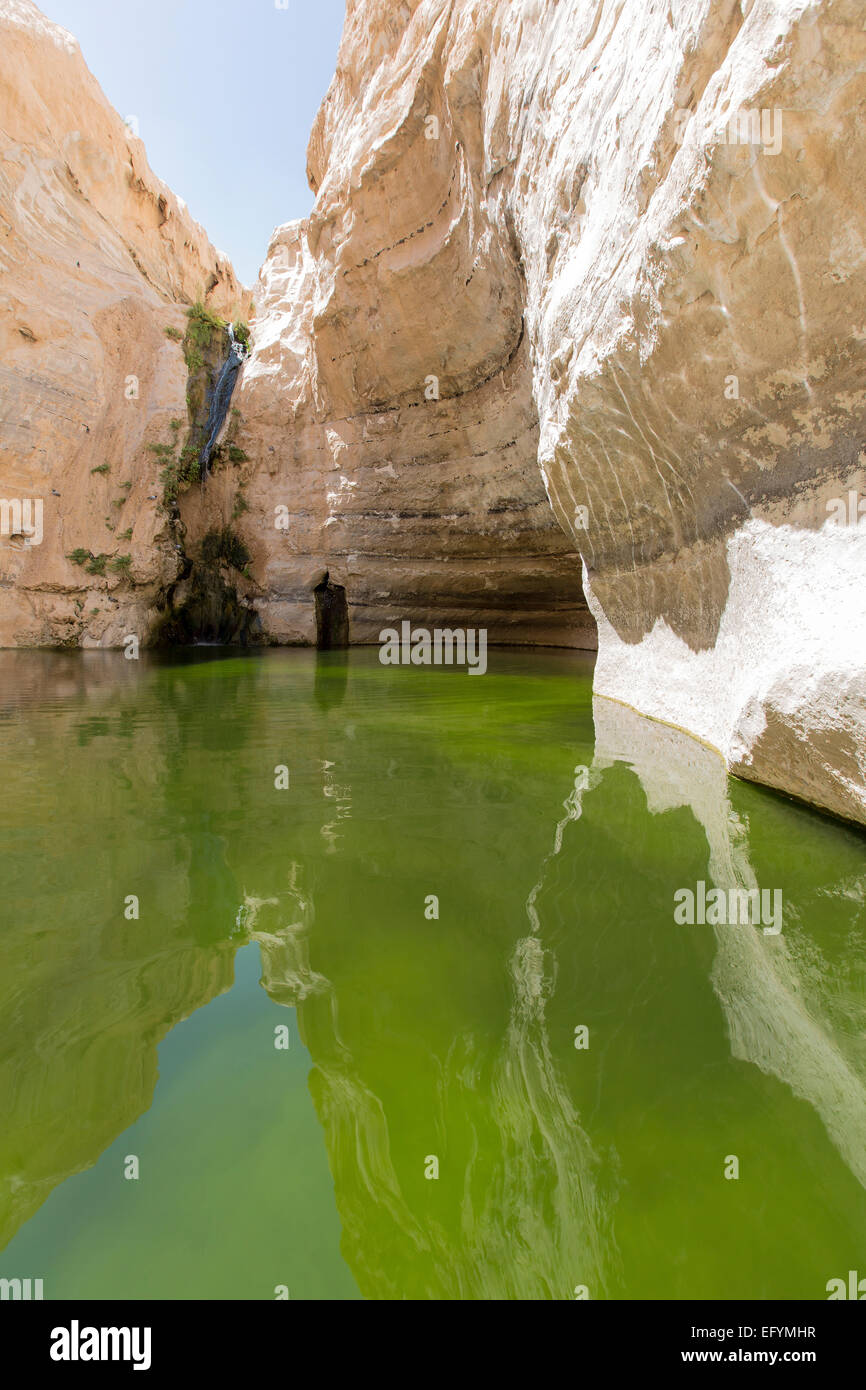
330	980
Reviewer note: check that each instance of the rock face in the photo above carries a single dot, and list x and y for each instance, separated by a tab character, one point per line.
97	259
581	298
710	412
421	508
389	402
628	241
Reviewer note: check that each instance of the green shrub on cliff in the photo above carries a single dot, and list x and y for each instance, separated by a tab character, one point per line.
202	325
224	546
177	475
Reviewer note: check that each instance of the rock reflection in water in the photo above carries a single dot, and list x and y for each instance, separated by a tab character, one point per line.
555	852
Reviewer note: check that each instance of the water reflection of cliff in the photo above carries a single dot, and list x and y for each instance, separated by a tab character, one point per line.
791	1010
120	778
87	994
525	1212
547	1157
556	867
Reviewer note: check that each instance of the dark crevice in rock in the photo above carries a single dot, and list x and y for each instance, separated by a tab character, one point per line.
332	616
204	605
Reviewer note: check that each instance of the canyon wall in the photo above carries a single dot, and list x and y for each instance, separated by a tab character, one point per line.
577	319
626	239
97	259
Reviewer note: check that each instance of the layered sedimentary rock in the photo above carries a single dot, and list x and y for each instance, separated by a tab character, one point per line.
389	402
708	309
394	442
97	259
581	298
636	229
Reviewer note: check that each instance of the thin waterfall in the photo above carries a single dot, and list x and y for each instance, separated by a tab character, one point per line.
221	399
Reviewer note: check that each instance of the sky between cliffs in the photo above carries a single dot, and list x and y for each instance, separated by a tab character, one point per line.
224	92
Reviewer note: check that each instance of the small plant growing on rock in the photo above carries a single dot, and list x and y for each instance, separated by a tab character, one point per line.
120	564
79	556
178	474
202	324
204	332
97	564
174	333
101	468
170	484
125	535
188	462
224	546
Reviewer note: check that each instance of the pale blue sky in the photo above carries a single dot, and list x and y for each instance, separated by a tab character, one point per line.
225	92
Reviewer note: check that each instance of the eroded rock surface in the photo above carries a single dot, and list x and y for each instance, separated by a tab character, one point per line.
97	259
583	290
628	240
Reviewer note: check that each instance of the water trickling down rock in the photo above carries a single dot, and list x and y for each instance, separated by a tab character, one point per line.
221	397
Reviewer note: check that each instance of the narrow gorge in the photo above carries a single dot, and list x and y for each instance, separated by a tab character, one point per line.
568	359
631	419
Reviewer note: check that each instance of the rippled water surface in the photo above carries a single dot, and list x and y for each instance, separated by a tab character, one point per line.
554	835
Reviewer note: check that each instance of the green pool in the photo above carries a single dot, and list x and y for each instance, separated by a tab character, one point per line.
330	980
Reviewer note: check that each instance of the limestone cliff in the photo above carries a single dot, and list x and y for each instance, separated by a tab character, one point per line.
627	238
579	311
97	259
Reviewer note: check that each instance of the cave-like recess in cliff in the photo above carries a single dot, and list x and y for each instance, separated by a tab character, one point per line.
332	616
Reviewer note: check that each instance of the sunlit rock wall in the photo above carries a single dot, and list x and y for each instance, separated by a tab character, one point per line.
708	310
581	296
389	403
629	245
97	259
